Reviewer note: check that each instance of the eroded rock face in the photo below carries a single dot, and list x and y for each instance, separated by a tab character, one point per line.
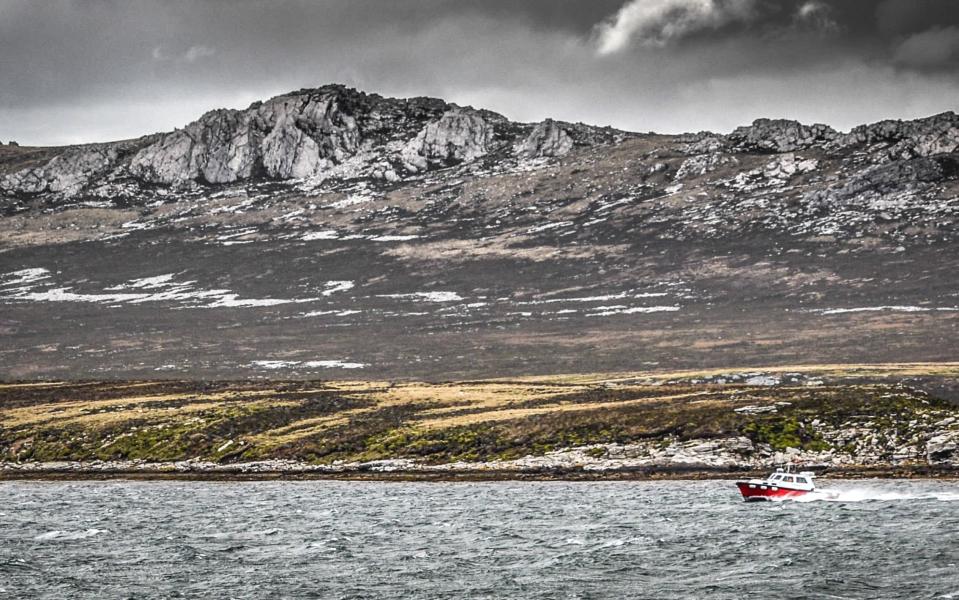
897	176
904	140
780	135
943	449
546	139
304	136
65	174
292	137
220	147
458	136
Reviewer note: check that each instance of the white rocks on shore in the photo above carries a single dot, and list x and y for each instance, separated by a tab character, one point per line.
726	454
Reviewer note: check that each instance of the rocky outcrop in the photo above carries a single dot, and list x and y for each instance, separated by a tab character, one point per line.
700	164
904	140
787	165
331	131
546	139
291	137
64	174
896	177
218	148
704	142
305	135
458	136
780	135
943	449
338	134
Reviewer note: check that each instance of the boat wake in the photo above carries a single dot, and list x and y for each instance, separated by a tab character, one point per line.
864	494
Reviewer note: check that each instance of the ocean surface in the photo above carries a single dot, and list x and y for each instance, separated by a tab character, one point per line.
322	539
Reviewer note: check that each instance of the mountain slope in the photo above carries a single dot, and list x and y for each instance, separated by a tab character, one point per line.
332	231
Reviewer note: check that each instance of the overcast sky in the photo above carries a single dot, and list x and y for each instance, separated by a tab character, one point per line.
98	70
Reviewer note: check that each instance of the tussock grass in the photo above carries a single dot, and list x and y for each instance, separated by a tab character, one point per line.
472	420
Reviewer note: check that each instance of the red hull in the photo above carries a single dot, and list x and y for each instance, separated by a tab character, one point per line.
762	491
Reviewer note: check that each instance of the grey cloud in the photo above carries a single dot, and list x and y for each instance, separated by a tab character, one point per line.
904	17
107	69
658	22
818	15
933	49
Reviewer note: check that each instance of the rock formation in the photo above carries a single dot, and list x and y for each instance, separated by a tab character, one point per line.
65	174
776	174
546	139
780	135
458	136
904	140
331	131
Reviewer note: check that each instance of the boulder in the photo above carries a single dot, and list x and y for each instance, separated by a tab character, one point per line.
457	136
546	139
786	165
943	448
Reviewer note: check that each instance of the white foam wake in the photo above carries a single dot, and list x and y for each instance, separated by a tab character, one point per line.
864	494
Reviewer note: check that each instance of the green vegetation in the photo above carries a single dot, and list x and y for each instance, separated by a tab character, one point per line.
328	421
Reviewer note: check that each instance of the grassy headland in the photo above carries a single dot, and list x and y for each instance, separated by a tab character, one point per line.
875	415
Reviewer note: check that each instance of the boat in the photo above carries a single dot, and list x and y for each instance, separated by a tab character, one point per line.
782	484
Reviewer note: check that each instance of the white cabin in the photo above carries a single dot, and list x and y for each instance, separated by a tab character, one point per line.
795	481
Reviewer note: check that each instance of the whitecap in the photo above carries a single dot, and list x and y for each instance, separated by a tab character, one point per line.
68	535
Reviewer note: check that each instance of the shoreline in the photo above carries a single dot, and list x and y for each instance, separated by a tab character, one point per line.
735	425
910	472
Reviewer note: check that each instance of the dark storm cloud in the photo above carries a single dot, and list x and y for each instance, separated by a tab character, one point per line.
101	69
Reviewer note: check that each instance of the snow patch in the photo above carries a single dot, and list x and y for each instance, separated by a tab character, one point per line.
351	201
23	277
157	288
619	296
338	313
892	308
549	226
158	281
333	287
393	238
606	311
426	296
309	364
326	234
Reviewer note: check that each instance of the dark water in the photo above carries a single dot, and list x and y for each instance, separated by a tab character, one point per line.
465	540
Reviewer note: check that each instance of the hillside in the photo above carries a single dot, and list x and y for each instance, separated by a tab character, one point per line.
334	233
845	418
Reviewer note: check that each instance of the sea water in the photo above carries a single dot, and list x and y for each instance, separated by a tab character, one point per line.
326	539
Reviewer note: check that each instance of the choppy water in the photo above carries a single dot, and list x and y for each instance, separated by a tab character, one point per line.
473	540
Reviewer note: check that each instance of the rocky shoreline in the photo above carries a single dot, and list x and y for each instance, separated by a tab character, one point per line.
694	459
105	471
700	426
